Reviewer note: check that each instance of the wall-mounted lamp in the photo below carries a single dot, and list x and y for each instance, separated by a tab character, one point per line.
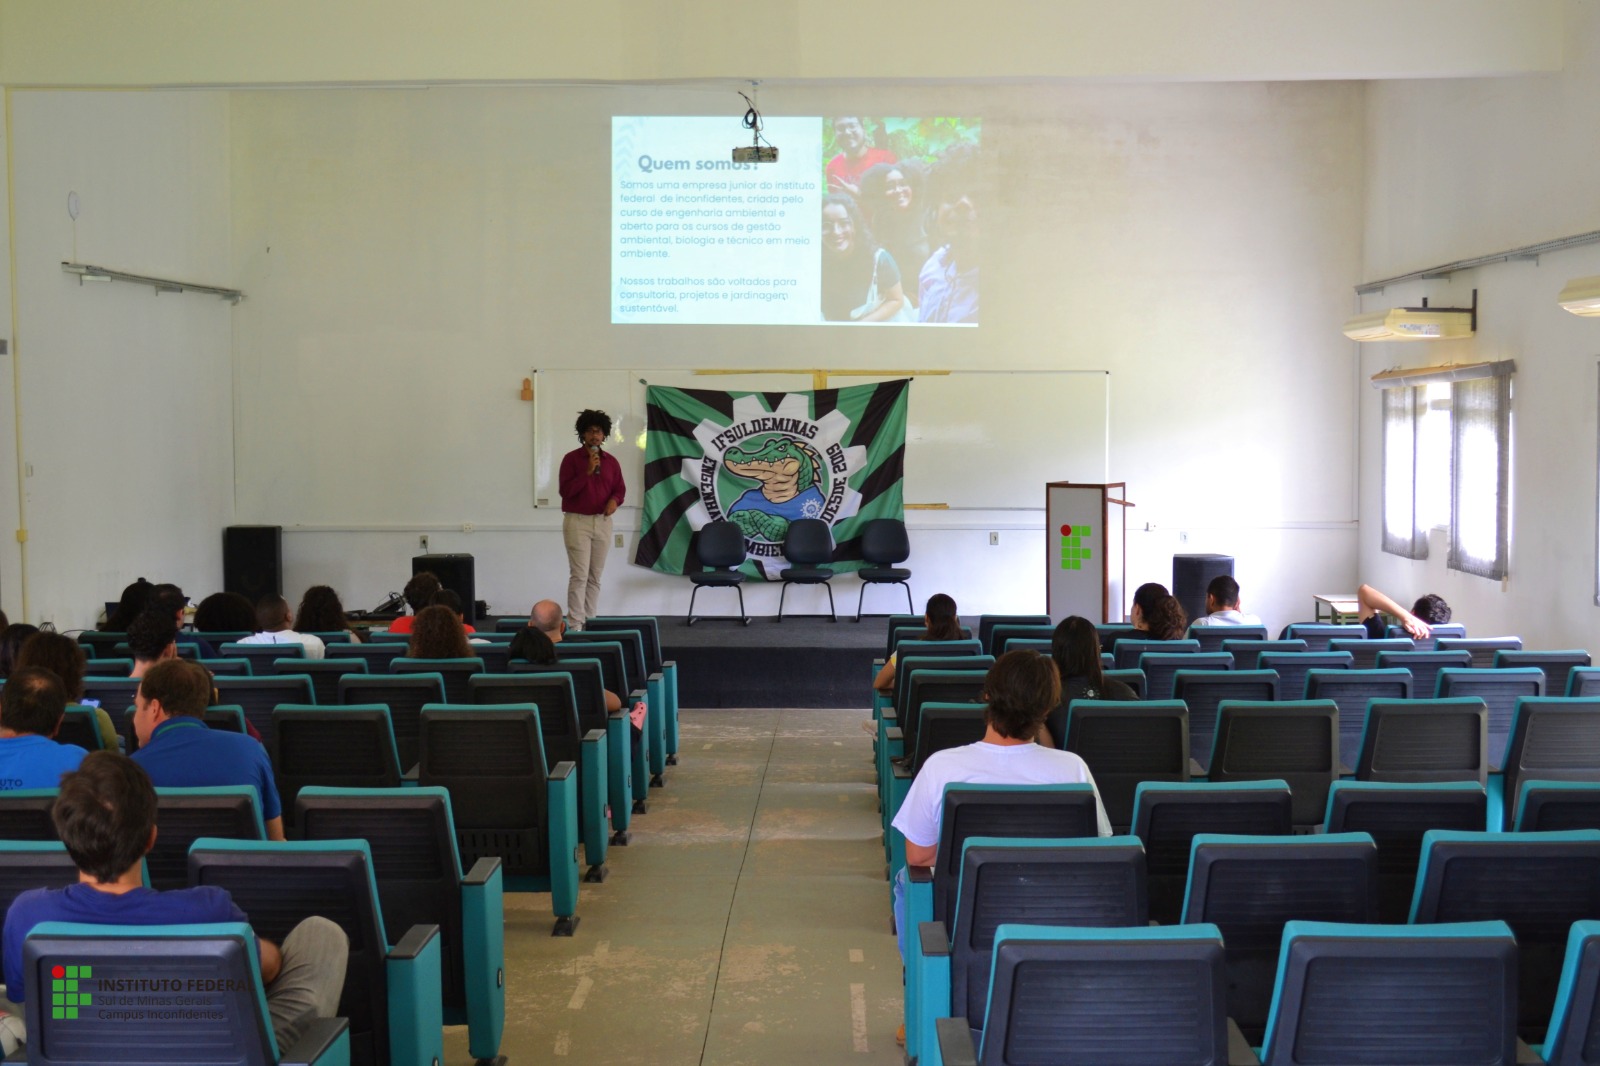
1581	296
1415	323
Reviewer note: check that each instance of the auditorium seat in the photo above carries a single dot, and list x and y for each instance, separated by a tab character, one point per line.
1584	681
807	546
1250	886
29	864
719	549
262	656
376	652
884	546
25	814
1363	995
454	673
1125	743
1537	883
1211	638
1111	632
1203	690
943	726
1552	806
1134	679
1317	635
184	815
1500	690
1557	665
1396	816
1168	815
259	695
1293	741
1424	667
1160	669
1084	883
1552	738
1352	690
324	673
344	747
1293	666
1364	653
1429	740
1573	1038
1247	653
80	726
1001	636
404	694
1482	649
1444	629
988	622
1128	650
1111	994
411	832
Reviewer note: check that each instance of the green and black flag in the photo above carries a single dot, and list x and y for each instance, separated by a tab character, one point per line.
764	459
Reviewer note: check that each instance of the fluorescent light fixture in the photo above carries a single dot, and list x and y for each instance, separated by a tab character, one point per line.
1415	323
1581	296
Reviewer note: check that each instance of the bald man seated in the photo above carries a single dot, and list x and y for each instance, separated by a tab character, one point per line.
546	618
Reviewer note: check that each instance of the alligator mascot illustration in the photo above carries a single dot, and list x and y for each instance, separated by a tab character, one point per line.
790	472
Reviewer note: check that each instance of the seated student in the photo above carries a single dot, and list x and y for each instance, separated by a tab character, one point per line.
135	598
321	611
940	621
438	634
31	705
64	657
1429	610
225	612
1162	619
275	625
1021	689
1075	649
537	643
448	598
178	750
152	638
1222	605
106	816
1145	599
419	593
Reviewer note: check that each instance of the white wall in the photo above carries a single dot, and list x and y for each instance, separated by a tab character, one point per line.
126	396
411	254
1459	169
180	42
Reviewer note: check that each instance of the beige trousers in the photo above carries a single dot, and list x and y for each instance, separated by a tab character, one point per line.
588	539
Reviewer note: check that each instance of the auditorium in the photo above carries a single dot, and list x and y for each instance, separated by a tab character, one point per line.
1294	310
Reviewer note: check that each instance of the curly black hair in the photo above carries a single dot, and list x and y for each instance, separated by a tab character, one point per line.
590	417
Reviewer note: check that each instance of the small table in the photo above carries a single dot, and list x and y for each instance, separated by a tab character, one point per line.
1337	608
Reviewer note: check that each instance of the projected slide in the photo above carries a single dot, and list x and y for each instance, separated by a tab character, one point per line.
863	220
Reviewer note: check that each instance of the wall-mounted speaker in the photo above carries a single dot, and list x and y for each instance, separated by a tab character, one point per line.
455	572
252	561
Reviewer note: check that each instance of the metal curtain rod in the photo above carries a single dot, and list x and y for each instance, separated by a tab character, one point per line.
1530	251
86	272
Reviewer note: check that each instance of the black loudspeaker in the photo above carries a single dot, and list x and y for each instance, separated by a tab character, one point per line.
1190	576
455	572
252	561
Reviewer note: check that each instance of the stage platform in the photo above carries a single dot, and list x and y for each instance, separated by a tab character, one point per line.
799	662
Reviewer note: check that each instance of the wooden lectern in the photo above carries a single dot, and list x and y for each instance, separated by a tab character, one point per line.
1086	550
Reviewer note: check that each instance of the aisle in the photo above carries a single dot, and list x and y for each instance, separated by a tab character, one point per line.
746	923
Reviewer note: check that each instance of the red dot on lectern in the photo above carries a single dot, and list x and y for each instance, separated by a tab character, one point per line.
1066	531
59	972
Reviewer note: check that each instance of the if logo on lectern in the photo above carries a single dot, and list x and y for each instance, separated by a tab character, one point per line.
1073	553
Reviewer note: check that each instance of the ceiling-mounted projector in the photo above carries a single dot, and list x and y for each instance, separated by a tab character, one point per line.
757	153
1415	323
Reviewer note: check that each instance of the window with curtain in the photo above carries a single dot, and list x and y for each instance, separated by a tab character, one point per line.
1480	486
1403	533
1447	463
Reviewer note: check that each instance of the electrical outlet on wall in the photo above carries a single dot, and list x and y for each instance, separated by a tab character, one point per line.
619	540
467	527
994	539
422	542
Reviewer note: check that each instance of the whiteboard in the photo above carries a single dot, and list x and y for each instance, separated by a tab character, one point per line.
975	440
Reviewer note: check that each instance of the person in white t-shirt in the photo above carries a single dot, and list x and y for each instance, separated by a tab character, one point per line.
275	625
1222	605
1021	689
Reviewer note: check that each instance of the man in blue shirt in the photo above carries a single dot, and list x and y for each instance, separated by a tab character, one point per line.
178	750
106	817
32	704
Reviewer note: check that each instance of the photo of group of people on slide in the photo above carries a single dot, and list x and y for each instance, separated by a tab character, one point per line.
900	220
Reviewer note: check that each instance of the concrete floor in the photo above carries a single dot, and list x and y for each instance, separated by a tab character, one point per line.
748	921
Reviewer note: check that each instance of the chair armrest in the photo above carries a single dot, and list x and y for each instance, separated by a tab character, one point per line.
1195	770
481	872
414	943
483	937
563	770
935	940
410	778
561	791
1526	1056
955	1042
894	732
416	996
878	663
1240	1053
594	736
919	875
901	772
321	1037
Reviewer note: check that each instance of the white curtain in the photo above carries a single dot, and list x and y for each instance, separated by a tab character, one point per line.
1480	454
1402	420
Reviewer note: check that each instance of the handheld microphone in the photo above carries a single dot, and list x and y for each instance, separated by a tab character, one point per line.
594	452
